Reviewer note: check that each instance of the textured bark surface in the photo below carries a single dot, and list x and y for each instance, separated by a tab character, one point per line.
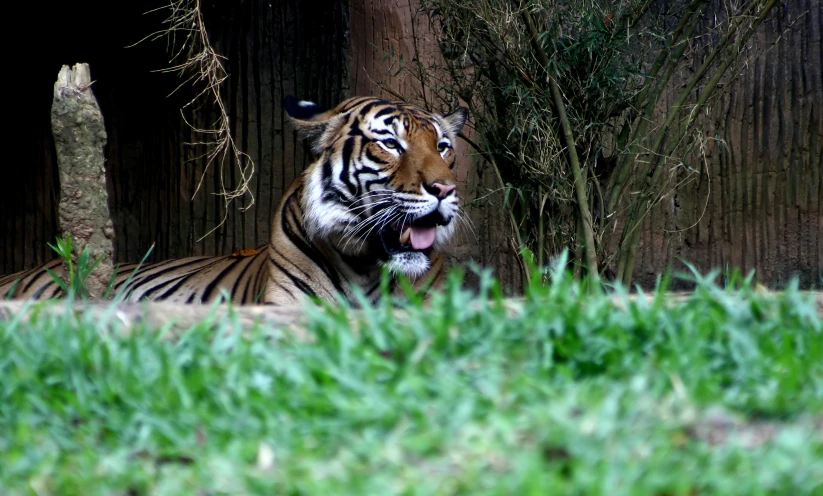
79	138
755	204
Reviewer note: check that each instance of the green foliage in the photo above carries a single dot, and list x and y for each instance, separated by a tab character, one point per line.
633	77
599	66
566	391
79	272
75	286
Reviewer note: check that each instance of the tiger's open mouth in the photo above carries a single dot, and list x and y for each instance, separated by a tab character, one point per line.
417	235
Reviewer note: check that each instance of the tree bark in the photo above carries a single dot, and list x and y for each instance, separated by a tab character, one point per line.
79	138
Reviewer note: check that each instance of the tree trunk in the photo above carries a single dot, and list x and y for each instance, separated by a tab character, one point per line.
79	137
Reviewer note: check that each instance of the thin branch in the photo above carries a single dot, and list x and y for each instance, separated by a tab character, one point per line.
515	228
626	160
703	98
574	161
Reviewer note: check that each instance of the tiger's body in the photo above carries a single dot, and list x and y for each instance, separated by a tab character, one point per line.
381	193
185	280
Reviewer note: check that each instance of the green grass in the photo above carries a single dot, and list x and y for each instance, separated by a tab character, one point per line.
720	394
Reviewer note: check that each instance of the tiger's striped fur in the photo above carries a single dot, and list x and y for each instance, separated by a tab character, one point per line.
32	283
242	274
382	168
380	193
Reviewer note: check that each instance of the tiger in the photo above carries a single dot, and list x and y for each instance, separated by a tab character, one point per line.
241	275
380	195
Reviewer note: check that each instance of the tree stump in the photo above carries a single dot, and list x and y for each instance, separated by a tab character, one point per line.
79	138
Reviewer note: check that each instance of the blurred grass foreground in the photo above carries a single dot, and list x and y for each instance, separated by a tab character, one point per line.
568	391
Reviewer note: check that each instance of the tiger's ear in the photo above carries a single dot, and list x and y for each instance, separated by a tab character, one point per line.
302	109
453	122
313	122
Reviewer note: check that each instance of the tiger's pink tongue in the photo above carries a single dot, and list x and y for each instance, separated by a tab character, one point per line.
422	237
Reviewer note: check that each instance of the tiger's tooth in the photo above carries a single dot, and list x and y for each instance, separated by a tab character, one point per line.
404	236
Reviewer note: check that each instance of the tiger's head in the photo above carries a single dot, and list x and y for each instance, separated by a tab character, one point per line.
382	184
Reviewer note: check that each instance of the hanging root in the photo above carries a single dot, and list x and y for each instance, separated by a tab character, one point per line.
202	67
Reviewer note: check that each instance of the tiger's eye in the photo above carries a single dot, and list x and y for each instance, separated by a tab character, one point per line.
391	143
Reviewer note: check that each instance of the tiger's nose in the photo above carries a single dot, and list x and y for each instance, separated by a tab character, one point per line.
439	190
